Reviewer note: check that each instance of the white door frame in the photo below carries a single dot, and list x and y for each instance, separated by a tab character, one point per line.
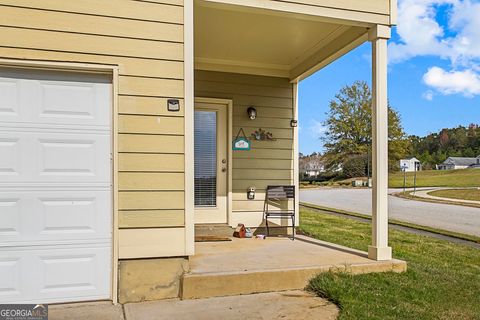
103	69
229	105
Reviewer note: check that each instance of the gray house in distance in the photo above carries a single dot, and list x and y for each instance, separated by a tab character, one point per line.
453	163
477	163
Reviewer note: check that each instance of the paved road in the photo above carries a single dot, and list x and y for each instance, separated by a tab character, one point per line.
442	216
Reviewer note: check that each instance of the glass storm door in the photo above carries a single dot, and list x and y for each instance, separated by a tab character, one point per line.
210	163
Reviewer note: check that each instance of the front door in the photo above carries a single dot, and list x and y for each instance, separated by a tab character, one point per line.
210	163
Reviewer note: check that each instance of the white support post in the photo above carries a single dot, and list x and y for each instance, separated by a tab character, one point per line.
379	250
296	170
188	118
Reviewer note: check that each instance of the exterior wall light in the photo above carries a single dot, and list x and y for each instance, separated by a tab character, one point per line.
252	113
293	123
173	105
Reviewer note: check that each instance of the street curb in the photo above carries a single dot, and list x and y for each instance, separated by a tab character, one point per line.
409	196
456	235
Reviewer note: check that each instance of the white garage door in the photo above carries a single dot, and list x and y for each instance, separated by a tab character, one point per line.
55	186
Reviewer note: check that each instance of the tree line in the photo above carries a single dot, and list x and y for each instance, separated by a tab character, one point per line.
462	141
347	140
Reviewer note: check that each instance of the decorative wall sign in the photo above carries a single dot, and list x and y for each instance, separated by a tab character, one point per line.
241	142
262	135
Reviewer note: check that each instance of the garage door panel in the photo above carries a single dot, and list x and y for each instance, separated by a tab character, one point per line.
39	157
75	157
10	157
55	275
9	104
10	224
10	280
40	217
81	275
39	98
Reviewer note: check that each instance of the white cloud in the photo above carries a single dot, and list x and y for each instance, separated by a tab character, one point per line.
464	82
465	19
316	128
458	42
419	32
428	95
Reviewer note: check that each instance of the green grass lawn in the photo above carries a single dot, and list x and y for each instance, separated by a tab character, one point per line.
464	194
442	281
438	178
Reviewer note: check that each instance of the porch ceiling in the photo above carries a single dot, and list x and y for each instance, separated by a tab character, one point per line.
256	41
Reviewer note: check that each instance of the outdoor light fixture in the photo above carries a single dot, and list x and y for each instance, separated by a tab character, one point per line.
293	123
251	193
252	113
173	105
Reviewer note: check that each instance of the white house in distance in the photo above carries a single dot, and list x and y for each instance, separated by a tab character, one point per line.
312	165
453	163
408	165
313	170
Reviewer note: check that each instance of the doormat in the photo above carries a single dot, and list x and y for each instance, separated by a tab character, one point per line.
211	239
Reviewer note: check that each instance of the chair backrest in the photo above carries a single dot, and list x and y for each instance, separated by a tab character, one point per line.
280	192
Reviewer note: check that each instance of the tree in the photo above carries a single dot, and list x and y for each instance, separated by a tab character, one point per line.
355	166
349	127
444	137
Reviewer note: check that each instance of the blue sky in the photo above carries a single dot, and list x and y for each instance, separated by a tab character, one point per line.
434	79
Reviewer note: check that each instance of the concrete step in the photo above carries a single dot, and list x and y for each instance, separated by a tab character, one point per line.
221	284
218	230
246	266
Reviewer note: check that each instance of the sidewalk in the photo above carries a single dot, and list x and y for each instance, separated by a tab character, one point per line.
424	194
286	305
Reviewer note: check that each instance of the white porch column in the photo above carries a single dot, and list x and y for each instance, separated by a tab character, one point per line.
379	250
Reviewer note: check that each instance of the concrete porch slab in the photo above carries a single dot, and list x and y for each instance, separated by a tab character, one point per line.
287	305
245	266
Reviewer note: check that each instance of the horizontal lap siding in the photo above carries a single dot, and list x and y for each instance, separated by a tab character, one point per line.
145	40
269	162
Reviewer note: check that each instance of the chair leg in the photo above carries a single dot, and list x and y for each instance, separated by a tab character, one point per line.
266	223
293	227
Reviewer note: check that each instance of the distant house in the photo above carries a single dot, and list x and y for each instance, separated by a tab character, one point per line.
476	164
313	169
453	163
408	165
311	166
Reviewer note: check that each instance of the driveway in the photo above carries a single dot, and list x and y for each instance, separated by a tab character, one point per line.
442	216
285	305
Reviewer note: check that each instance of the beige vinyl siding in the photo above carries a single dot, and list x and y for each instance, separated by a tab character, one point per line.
269	162
127	9
145	243
145	40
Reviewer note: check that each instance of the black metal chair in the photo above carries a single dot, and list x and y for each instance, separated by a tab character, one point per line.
277	201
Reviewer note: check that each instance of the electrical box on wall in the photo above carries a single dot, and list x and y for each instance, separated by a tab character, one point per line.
251	193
